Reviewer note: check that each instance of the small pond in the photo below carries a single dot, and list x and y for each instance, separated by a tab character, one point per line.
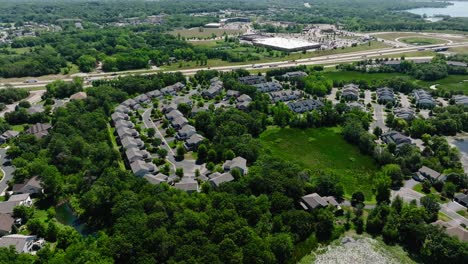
65	215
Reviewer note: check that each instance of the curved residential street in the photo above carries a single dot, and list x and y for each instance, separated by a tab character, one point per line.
7	171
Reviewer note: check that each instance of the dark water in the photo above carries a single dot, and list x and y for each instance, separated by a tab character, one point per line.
65	215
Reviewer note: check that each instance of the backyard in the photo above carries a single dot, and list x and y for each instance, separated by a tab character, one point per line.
323	149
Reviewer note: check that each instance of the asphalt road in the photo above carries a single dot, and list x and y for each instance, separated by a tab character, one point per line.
7	171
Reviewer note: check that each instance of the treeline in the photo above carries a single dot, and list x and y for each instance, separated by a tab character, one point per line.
11	95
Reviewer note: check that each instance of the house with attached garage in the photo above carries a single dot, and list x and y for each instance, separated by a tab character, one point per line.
30	186
252	79
268	87
187	184
140	168
430	174
193	142
179	122
22	243
423	99
350	92
312	201
131	142
7	135
116	116
220	179
236	163
134	154
186	132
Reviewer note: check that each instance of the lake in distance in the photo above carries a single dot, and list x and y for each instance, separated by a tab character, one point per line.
458	9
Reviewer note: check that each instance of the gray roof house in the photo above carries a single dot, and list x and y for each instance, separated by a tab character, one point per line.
285	95
30	186
461	198
122	109
244	98
186	132
123	123
39	130
173	89
187	184
142	98
429	174
156	179
216	87
129	103
350	92
385	95
314	200
8	206
460	99
268	87
35	109
116	116
154	94
169	107
304	105
395	137
141	168
174	114
134	154
127	132
423	99
295	74
218	180
252	79
9	134
130	142
236	163
179	122
192	142
404	113
6	223
21	243
232	93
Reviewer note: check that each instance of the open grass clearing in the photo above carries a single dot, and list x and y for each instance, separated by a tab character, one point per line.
324	150
462	213
420	41
110	131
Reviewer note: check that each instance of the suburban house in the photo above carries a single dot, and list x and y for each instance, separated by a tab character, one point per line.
140	168
22	243
461	198
460	99
156	179
134	154
350	92
30	186
179	122
385	95
193	141
404	113
216	87
123	123
154	94
7	135
453	230
268	87
186	132
232	93
183	100
122	109
356	105
395	137
35	109
236	163
187	184
252	79
243	102
428	173
168	108
173	115
220	179
129	103
127	132
116	116
295	74
196	110
6	223
142	98
423	99
39	130
285	95
314	200
130	142
173	89
22	199
8	206
305	105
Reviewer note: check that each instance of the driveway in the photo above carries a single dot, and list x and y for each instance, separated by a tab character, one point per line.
7	171
379	118
405	103
332	96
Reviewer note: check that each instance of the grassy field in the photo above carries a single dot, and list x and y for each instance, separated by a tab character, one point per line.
461	50
422	40
394	35
110	131
204	32
323	149
265	56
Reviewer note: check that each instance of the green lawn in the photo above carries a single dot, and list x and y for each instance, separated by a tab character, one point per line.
323	149
110	131
19	128
462	212
422	41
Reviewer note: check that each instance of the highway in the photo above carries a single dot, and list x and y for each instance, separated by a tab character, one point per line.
320	60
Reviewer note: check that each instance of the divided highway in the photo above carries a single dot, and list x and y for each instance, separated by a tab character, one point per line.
320	60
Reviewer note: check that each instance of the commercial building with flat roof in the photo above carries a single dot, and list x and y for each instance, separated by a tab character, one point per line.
286	44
